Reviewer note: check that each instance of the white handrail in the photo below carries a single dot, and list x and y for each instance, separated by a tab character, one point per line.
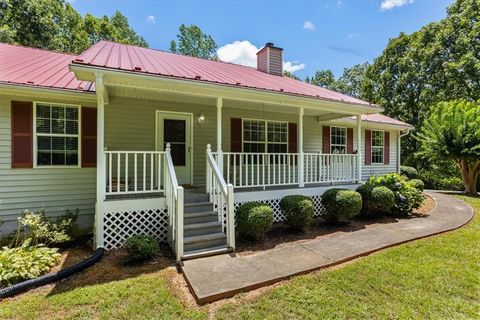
221	195
131	172
174	201
322	167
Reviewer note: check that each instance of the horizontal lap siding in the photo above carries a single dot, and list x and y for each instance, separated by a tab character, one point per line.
380	169
53	189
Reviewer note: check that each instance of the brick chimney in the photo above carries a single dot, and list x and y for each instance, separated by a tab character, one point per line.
269	59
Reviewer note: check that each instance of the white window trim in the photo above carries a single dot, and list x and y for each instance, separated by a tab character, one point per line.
265	141
382	147
79	135
338	145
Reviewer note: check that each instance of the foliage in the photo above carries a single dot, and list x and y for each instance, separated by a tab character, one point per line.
191	41
451	131
56	25
290	75
377	201
341	204
37	227
417	184
298	210
409	172
407	197
438	181
26	262
254	219
350	82
141	247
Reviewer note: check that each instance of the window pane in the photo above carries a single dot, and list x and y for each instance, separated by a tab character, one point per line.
44	143
174	130
58	112
71	144
43	125
58	143
43	111
58	158
254	147
71	127
71	159
71	113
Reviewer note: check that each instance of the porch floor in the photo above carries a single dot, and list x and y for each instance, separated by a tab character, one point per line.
222	276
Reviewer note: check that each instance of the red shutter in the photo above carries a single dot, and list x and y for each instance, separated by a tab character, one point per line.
236	135
368	147
326	139
89	137
386	148
292	138
349	140
22	134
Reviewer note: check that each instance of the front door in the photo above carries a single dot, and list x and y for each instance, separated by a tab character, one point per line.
176	129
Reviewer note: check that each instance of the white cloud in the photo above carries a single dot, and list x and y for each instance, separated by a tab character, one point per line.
307	25
353	35
245	53
151	19
292	66
390	4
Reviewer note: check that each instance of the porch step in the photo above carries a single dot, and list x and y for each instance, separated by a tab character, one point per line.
199	217
198	229
205	252
206	241
197	206
193	198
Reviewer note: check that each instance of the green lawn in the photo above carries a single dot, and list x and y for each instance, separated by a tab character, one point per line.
436	278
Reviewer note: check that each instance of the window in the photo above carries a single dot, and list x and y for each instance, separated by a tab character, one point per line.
338	140
56	135
378	140
265	136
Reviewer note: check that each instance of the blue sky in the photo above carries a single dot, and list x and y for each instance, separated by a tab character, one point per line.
324	34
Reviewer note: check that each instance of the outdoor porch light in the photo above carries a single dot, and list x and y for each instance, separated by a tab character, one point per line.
201	119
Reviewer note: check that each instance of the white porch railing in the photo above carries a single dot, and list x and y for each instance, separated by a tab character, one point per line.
221	195
130	172
174	202
247	170
321	168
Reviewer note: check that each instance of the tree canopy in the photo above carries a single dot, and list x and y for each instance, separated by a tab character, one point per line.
191	41
56	25
451	131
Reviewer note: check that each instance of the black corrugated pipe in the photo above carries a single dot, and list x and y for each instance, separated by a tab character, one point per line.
51	277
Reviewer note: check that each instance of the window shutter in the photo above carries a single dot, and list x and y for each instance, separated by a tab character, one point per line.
292	138
236	135
349	140
368	147
326	139
89	137
386	148
22	134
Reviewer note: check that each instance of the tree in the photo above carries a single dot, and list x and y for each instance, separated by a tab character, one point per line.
451	131
56	25
351	81
322	78
290	75
191	41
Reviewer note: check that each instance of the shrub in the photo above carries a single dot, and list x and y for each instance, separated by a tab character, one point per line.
254	219
409	172
407	197
298	210
36	226
141	248
417	184
341	204
438	181
381	201
26	262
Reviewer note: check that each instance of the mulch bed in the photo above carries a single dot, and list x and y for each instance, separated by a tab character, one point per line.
281	236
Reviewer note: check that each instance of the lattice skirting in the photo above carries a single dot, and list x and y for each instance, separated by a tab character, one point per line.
120	225
278	215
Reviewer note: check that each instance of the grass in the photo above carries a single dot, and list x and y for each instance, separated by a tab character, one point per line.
436	278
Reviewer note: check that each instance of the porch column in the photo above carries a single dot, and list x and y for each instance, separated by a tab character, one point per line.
301	175
219	133
359	148
100	160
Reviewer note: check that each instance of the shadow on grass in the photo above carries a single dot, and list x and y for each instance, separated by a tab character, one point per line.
112	267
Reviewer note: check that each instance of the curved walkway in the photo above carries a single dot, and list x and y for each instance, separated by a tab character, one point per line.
222	276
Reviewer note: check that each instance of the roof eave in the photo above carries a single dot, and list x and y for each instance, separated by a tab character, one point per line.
29	90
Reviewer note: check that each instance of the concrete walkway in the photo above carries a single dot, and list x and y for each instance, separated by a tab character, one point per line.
222	276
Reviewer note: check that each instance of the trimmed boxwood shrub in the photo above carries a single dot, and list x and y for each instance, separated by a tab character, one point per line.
254	219
376	201
409	172
141	248
417	184
341	204
298	210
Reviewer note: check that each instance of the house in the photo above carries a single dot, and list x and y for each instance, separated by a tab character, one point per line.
145	141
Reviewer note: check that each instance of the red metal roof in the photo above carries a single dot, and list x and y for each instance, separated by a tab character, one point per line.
380	118
142	60
36	67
